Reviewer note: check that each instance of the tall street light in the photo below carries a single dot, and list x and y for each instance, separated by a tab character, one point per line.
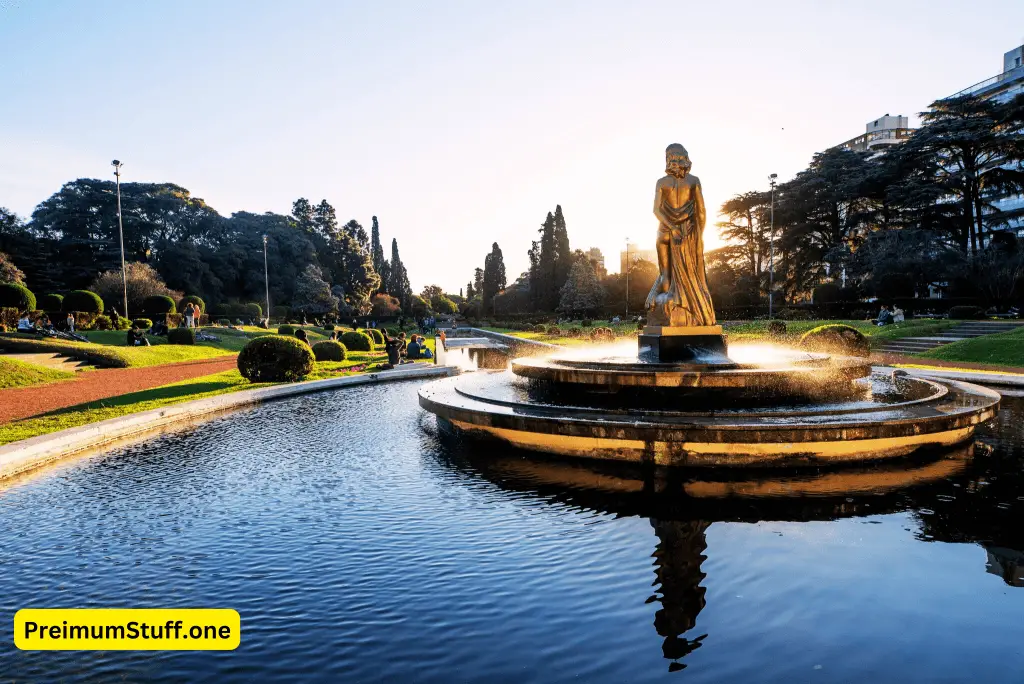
627	276
266	277
120	229
771	258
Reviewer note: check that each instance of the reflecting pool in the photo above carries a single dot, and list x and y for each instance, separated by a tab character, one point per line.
359	543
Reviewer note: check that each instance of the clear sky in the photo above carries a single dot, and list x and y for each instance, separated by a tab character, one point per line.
463	123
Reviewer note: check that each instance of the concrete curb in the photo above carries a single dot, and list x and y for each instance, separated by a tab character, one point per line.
514	342
1008	380
18	457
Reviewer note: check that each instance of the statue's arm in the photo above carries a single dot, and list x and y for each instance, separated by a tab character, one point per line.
657	206
698	203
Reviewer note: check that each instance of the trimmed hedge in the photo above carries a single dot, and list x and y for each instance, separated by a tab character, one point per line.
9	317
155	306
966	313
192	299
181	336
51	302
142	323
776	328
275	358
329	350
17	296
376	335
286	330
836	338
358	340
84	301
253	310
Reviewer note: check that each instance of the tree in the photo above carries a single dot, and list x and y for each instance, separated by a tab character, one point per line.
398	286
385	306
478	280
443	305
142	281
582	294
564	257
313	293
494	277
431	291
9	273
380	264
747	227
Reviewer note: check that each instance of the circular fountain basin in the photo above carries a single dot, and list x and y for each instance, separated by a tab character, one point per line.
887	417
789	370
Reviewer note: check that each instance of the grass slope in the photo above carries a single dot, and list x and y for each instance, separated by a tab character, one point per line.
1003	349
109	356
14	373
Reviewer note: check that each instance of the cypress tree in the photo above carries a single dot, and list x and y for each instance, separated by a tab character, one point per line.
494	277
398	285
563	254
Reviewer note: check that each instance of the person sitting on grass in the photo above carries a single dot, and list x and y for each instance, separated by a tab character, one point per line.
402	345
136	337
25	324
301	334
884	316
417	349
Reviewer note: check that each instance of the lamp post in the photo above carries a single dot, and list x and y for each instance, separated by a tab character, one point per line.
627	276
120	229
771	257
266	277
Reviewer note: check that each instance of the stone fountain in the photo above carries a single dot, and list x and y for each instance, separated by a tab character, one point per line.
680	399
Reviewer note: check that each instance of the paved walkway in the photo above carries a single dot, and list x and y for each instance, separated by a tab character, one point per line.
22	402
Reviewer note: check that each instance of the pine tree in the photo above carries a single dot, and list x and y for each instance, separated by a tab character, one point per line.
478	280
494	280
398	284
563	254
582	294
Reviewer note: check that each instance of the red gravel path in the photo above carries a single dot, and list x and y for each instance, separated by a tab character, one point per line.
22	402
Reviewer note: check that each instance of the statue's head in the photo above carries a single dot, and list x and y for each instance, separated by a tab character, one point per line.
677	161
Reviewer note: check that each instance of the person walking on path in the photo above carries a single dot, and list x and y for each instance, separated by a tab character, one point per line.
189	315
71	322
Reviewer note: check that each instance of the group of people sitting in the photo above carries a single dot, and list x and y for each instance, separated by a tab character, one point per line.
887	317
401	351
25	323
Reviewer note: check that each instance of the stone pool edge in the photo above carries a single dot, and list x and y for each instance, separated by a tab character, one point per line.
24	455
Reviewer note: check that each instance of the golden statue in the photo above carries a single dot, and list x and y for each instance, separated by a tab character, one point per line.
680	296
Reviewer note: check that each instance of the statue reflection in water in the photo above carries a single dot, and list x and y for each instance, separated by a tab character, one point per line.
681	506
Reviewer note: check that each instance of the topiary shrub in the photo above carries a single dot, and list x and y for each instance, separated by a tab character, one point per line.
223	321
120	322
776	328
286	330
101	322
9	316
274	358
181	335
17	296
84	301
358	340
329	350
142	323
837	339
965	313
554	330
328	327
602	334
376	335
252	310
586	323
192	299
280	311
156	306
173	320
51	302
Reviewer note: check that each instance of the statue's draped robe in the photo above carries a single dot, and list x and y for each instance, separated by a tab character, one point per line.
685	299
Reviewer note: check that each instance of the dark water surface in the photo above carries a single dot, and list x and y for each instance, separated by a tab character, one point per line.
358	544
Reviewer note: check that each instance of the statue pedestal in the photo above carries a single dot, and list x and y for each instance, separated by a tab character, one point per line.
703	344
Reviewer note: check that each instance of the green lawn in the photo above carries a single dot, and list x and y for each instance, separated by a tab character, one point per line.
108	355
14	373
758	330
196	388
1004	349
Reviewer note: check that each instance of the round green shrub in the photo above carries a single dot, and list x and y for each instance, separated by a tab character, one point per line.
16	296
274	358
776	328
84	301
181	335
192	299
375	335
120	322
155	306
280	311
836	339
286	330
142	323
329	350
358	340
51	302
101	323
328	327
253	310
965	313
223	321
602	334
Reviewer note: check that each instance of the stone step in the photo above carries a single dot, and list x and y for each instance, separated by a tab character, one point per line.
49	360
